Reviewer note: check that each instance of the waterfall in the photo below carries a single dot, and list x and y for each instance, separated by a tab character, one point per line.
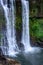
11	48
10	25
25	24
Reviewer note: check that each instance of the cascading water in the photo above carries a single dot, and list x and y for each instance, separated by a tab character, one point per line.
9	12
25	18
10	18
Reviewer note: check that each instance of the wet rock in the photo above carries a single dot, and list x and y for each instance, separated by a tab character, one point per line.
2	60
21	46
13	62
9	3
1	52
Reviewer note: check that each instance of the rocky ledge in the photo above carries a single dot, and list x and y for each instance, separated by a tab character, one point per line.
8	61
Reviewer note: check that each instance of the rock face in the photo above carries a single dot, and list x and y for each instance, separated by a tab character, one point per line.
36	43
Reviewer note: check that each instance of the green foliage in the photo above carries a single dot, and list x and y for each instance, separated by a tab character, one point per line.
2	18
36	27
18	23
0	38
